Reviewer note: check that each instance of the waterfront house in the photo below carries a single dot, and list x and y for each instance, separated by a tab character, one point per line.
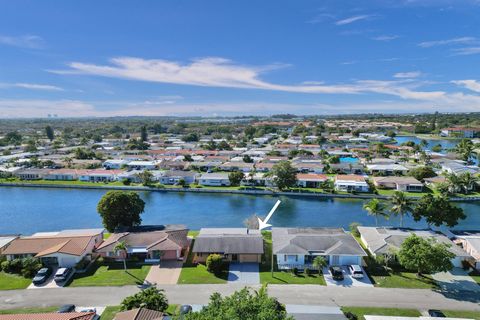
174	176
140	314
384	241
100	175
141	165
470	242
298	247
408	184
216	179
347	168
64	248
114	163
5	240
149	243
458	167
234	244
351	183
31	173
64	174
386	169
310	180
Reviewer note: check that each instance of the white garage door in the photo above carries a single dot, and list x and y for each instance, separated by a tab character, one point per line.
347	260
67	262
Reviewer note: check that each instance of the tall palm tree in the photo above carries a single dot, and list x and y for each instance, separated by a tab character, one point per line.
453	182
122	247
401	205
468	181
319	263
375	208
465	149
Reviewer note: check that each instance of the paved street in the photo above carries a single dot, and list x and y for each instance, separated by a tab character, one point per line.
291	294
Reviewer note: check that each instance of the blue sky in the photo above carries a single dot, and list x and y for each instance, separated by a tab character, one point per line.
108	58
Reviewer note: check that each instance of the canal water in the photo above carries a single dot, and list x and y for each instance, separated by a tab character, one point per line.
29	210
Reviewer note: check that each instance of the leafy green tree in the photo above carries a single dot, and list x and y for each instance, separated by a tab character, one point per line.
143	134
235	178
249	132
375	208
285	175
401	205
247	159
146	177
425	255
421	173
183	183
120	208
242	305
49	132
437	211
188	158
151	298
214	263
465	149
191	137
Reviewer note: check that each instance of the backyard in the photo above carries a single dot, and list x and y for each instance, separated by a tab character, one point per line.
103	273
197	273
10	281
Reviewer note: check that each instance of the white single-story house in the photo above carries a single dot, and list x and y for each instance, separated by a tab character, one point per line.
351	182
31	173
408	184
63	249
142	165
298	247
100	175
64	174
470	241
382	240
214	179
310	180
114	163
386	169
174	176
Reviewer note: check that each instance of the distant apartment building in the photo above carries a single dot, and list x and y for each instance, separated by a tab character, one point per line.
461	132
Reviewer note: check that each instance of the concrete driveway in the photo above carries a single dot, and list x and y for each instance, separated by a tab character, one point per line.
50	283
456	280
348	281
244	273
165	273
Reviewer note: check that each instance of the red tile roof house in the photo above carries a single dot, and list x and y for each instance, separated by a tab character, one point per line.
139	314
50	316
310	180
64	248
169	243
351	182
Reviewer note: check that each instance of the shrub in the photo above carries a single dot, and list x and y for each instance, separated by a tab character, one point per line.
5	266
30	267
308	272
126	182
214	263
350	316
295	271
82	264
151	298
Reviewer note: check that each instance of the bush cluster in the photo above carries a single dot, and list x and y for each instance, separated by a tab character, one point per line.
26	267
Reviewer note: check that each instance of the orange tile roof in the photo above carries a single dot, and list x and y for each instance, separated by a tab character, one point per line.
50	316
350	177
41	245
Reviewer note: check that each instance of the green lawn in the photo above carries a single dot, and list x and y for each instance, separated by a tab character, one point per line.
61	182
29	310
111	274
110	312
360	312
462	314
283	277
197	273
10	281
475	276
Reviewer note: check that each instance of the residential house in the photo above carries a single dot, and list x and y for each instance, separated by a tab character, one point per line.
306	166
458	167
174	176
31	173
351	183
114	163
237	166
142	165
298	247
408	184
347	168
310	180
64	248
216	179
149	243
5	240
470	241
64	174
100	175
234	244
387	169
384	241
203	165
140	314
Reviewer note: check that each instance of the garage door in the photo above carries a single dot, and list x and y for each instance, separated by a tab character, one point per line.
67	262
249	258
347	260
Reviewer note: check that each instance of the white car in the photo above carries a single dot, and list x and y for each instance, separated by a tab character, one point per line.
356	271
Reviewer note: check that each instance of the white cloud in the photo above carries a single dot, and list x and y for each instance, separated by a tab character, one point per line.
460	40
353	19
219	72
25	41
386	38
31	86
407	75
473	85
466	51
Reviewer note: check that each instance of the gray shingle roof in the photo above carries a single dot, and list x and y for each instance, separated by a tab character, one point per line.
229	241
328	241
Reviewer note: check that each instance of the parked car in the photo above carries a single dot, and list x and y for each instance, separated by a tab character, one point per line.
436	314
62	275
42	276
184	309
356	271
336	272
66	308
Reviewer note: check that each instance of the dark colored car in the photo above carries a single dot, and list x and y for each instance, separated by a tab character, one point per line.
336	272
62	275
436	314
67	308
184	309
42	276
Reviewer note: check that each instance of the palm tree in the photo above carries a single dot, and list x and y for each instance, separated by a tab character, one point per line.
467	181
319	263
453	182
375	208
122	247
401	205
465	149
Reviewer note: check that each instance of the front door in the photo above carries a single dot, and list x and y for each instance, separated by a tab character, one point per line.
234	257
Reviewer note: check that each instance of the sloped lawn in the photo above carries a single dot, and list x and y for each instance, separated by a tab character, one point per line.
10	281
